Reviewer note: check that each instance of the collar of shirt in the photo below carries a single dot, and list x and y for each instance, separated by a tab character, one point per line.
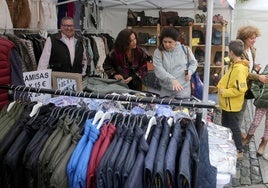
66	38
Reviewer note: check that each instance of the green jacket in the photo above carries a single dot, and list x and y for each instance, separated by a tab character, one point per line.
260	91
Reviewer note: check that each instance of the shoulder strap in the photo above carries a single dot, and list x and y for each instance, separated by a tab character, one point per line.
186	53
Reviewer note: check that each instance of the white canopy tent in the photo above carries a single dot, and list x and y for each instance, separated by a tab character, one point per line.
113	13
159	4
253	12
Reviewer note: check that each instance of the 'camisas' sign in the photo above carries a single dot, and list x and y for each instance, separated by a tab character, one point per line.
38	79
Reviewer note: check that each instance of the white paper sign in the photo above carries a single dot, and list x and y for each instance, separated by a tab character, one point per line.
66	84
38	79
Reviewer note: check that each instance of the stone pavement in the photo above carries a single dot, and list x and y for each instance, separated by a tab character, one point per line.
252	170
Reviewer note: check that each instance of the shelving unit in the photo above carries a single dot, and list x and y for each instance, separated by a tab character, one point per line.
187	39
153	31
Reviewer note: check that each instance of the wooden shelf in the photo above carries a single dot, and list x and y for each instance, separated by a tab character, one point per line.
149	45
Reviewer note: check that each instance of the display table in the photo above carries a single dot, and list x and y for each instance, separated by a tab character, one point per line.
222	152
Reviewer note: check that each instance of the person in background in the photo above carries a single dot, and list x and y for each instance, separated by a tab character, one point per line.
261	103
231	90
64	51
248	34
127	61
170	61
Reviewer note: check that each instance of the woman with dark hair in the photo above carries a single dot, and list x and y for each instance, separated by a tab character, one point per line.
127	61
170	61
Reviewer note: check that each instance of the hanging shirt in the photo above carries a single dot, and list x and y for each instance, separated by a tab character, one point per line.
70	42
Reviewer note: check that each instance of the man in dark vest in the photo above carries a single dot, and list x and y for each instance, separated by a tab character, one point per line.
64	51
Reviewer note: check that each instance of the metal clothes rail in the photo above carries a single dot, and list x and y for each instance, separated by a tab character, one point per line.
141	99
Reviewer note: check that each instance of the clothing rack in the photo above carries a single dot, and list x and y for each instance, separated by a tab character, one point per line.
26	89
141	99
65	2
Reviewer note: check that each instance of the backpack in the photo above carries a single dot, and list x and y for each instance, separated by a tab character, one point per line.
198	34
199	55
217	37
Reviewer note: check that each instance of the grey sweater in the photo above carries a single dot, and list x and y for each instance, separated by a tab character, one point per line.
170	65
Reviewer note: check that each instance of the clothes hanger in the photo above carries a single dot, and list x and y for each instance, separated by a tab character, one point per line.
141	119
53	113
74	112
117	119
152	122
83	117
10	105
97	117
35	108
113	118
106	116
170	121
129	120
136	120
77	114
125	118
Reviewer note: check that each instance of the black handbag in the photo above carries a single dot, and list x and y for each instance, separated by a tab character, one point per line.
151	21
143	38
199	55
217	58
249	94
135	18
185	21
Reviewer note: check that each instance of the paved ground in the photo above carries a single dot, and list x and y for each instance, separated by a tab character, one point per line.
252	171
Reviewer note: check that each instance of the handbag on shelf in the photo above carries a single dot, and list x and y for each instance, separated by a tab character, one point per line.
198	34
165	16
217	58
151	21
135	18
217	37
199	55
185	21
143	37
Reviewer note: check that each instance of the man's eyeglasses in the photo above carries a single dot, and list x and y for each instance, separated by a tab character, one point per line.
65	25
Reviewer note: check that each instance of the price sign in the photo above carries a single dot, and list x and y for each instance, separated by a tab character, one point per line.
38	79
67	81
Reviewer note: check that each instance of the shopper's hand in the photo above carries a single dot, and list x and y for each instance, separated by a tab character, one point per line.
263	79
188	76
118	77
220	91
176	85
257	67
128	79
